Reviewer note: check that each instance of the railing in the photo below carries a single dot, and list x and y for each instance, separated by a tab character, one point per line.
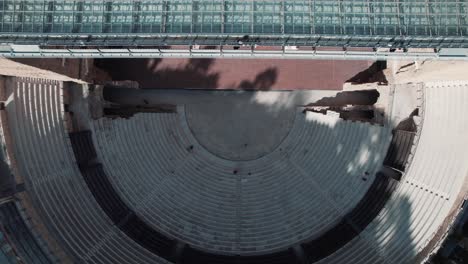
32	51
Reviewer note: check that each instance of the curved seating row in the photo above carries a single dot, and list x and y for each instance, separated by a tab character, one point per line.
53	180
248	207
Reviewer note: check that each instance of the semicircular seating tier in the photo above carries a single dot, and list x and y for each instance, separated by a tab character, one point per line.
310	185
294	193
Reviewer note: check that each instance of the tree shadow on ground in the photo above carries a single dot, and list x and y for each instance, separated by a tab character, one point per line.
372	74
363	97
194	74
263	81
408	124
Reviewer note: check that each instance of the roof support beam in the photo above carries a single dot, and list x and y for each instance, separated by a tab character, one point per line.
282	15
136	16
312	16
223	16
20	15
341	12
401	17
165	15
430	18
371	16
78	16
49	19
459	11
194	14
107	17
252	18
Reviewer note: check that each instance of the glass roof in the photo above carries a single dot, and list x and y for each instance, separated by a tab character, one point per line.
241	17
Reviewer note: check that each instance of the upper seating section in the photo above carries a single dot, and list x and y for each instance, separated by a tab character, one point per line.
298	19
429	190
297	192
53	180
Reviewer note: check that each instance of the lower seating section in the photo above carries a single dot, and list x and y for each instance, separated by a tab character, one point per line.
20	235
315	250
239	207
141	232
347	229
400	149
154	241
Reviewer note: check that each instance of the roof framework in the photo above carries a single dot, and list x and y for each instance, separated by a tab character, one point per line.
271	22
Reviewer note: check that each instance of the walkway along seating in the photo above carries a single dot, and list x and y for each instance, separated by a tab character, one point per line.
354	222
400	149
123	217
82	143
